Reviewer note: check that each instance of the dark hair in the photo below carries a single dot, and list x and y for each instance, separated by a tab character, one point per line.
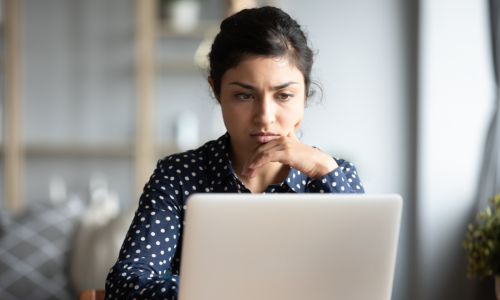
260	32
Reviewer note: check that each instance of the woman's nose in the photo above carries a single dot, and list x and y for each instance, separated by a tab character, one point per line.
264	112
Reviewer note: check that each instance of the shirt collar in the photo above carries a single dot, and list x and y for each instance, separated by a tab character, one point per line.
219	166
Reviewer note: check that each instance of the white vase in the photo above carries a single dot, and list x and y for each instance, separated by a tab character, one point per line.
188	134
184	15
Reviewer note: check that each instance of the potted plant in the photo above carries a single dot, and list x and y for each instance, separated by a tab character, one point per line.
483	244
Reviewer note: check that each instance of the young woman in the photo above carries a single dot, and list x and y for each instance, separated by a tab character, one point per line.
260	66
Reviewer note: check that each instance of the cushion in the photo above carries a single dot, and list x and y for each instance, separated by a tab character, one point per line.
34	249
97	246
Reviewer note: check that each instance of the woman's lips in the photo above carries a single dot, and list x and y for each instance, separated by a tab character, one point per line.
264	138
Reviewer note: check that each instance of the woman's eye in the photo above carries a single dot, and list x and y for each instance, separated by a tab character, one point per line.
244	96
285	96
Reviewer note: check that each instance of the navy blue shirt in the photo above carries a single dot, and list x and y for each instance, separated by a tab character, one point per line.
149	260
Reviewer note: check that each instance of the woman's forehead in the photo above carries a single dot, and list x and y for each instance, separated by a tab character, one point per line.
265	70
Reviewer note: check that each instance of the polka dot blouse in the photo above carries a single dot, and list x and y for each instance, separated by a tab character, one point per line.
149	260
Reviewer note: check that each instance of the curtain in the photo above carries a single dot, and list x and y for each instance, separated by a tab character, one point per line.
489	183
489	179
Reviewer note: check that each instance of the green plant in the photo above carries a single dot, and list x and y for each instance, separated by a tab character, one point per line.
483	242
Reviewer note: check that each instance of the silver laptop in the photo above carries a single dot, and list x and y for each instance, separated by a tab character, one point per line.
289	246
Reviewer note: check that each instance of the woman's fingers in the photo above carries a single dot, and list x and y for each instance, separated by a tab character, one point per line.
262	148
275	154
251	164
273	151
289	150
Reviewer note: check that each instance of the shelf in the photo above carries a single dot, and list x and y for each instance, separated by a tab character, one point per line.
120	150
165	29
65	150
112	150
180	65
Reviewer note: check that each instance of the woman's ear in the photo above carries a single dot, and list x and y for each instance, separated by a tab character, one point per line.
211	82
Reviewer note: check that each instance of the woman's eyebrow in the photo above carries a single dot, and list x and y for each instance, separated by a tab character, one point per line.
252	88
284	85
245	86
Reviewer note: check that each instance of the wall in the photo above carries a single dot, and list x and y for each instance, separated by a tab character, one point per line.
456	97
366	66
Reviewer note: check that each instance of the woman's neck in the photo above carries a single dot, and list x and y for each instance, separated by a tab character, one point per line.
268	174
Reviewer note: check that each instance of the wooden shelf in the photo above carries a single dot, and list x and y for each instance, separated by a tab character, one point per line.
180	65
65	150
14	160
111	150
165	30
119	150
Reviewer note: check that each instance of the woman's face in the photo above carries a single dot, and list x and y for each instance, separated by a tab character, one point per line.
261	99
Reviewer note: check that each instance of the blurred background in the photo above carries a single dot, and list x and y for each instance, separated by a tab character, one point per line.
94	92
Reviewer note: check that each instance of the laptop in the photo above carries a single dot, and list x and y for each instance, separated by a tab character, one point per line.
289	246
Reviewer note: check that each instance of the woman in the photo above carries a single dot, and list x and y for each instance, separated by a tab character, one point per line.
260	66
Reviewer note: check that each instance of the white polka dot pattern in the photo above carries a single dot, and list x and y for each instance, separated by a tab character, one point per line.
150	255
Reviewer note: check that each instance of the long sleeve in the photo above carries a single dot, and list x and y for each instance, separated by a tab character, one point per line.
149	251
343	179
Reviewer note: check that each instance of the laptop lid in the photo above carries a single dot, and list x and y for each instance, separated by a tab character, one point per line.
289	246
